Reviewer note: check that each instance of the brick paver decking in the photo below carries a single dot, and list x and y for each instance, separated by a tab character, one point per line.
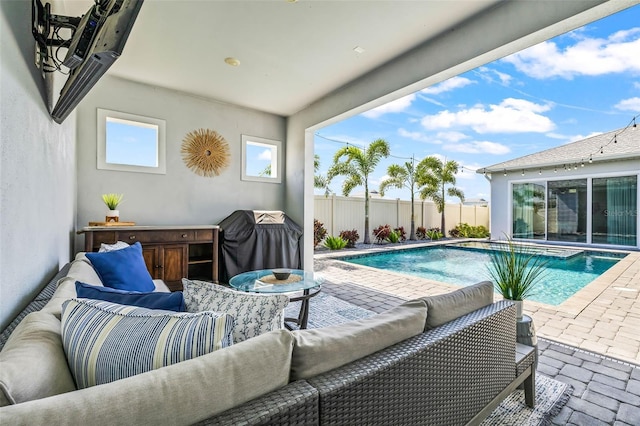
591	342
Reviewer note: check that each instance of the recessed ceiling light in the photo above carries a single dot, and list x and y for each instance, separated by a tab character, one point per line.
232	61
358	49
291	1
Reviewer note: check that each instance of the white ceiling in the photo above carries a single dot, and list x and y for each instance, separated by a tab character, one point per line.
291	54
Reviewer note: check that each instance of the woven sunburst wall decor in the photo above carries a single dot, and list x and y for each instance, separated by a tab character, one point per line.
205	152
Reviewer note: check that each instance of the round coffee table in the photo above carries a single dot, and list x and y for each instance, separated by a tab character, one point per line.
263	281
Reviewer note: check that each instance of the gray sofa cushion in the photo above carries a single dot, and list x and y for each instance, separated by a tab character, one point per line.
319	350
183	393
449	306
32	363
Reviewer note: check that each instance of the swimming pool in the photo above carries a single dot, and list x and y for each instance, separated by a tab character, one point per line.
465	265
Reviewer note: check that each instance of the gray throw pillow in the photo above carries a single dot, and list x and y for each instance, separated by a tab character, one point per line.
320	350
449	306
254	313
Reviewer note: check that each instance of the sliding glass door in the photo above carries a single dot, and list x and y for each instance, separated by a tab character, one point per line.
567	210
528	211
615	211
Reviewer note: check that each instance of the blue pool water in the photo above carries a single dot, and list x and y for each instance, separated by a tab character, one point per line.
464	266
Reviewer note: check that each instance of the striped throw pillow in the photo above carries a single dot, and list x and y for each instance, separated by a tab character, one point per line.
105	341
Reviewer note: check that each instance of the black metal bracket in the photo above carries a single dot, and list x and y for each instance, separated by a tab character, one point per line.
43	21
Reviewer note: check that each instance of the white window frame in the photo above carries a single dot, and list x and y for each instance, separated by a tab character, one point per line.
136	120
276	160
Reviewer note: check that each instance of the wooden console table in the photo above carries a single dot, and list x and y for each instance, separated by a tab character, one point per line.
170	252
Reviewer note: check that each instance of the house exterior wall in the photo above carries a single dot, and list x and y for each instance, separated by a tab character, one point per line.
501	188
179	197
37	171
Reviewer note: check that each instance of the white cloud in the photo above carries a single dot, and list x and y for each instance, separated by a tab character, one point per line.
489	74
265	155
510	116
478	147
431	100
398	105
452	136
576	138
448	85
417	136
588	56
636	84
631	104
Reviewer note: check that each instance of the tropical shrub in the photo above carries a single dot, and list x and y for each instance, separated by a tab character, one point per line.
393	237
402	235
433	234
351	237
381	233
334	243
319	232
421	232
464	230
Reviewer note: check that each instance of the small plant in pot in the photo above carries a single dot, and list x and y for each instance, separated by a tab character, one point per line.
515	271
112	201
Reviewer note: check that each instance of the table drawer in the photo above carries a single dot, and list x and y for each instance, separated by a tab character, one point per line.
156	236
203	235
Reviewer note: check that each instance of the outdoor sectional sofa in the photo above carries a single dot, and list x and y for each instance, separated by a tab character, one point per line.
381	370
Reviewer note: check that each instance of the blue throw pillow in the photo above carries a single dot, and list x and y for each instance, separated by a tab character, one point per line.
156	300
123	269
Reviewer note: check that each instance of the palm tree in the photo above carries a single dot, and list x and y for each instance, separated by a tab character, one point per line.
357	165
432	177
403	177
320	181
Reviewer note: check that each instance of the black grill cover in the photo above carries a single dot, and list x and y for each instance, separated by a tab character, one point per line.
251	240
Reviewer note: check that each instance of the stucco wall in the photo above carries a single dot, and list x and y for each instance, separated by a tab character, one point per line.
180	197
37	171
501	187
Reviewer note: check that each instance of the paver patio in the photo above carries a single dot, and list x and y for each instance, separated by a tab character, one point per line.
591	341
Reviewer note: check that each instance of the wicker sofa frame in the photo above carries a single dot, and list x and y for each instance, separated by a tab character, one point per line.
454	374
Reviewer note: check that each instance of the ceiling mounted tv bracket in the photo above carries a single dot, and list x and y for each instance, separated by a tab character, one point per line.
46	27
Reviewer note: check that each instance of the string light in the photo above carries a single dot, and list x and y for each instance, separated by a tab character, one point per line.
505	172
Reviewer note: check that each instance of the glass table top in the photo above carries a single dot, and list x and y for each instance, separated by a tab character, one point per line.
251	281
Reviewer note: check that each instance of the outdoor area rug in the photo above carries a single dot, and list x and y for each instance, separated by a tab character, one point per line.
551	396
325	310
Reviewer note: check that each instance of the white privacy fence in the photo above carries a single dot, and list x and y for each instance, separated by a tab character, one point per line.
347	213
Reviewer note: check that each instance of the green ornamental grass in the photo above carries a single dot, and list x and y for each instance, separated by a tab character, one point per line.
515	270
112	200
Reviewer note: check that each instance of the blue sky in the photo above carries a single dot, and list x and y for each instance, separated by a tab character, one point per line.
568	88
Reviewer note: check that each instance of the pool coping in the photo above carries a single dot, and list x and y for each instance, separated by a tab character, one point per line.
573	305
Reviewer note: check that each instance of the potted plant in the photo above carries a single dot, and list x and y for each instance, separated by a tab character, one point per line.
112	201
515	270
